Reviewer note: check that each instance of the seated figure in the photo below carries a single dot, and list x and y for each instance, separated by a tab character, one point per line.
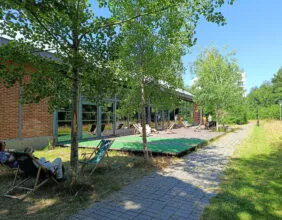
56	166
6	157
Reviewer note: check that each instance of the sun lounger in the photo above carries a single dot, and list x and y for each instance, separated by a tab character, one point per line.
97	155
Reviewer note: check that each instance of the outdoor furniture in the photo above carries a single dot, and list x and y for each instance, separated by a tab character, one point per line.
211	124
7	168
153	130
32	169
97	155
119	126
93	129
186	124
137	128
169	129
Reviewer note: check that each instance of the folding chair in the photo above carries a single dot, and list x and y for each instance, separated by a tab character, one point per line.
93	129
169	129
32	170
97	155
186	124
119	126
137	128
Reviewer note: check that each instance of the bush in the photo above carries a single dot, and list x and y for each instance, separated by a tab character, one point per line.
271	112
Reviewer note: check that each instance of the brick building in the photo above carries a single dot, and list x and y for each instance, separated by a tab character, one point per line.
23	125
32	124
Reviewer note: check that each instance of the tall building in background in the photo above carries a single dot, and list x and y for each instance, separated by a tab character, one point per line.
243	83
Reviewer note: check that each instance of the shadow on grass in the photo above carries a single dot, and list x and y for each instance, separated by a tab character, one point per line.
251	189
54	201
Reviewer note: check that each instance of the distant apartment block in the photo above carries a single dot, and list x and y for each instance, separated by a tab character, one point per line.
243	83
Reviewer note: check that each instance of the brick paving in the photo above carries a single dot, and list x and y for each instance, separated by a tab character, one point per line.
181	191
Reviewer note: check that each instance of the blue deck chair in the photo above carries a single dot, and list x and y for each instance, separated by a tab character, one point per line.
97	155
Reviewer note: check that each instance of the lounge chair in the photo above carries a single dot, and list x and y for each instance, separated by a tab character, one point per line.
119	126
97	155
7	168
93	129
31	171
169	129
137	128
186	124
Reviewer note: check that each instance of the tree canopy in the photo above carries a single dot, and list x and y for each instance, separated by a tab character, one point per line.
265	98
86	47
218	84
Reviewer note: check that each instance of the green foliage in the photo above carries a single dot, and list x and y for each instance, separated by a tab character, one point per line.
265	98
83	53
237	114
150	41
218	85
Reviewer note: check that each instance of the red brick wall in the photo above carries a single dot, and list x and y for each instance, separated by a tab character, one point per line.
197	114
36	121
9	112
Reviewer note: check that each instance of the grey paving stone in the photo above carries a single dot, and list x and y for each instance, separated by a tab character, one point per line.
142	217
181	191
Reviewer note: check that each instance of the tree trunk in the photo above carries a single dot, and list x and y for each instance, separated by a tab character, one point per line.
223	122
257	116
216	114
74	125
75	107
143	123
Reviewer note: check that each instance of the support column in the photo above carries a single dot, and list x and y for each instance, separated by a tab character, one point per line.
20	111
168	118
163	119
149	113
156	120
99	121
55	126
114	115
79	119
127	121
139	118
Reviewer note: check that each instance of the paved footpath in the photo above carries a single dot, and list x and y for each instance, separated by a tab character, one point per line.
181	191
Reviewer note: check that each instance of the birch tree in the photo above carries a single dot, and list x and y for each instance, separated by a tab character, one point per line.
218	83
153	45
85	45
79	42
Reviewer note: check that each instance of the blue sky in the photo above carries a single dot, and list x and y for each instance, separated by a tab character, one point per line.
253	30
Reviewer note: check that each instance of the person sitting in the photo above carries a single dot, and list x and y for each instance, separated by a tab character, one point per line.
56	166
205	122
6	157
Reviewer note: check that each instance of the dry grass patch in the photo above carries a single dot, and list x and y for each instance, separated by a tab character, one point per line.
58	201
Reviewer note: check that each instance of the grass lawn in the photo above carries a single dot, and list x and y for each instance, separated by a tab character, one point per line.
252	185
58	201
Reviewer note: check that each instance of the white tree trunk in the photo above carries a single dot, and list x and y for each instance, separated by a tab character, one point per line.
216	113
144	137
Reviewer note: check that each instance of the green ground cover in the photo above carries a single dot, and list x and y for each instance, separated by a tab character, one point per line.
252	185
67	137
155	144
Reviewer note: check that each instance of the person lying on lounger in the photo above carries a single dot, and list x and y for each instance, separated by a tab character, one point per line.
56	166
6	157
